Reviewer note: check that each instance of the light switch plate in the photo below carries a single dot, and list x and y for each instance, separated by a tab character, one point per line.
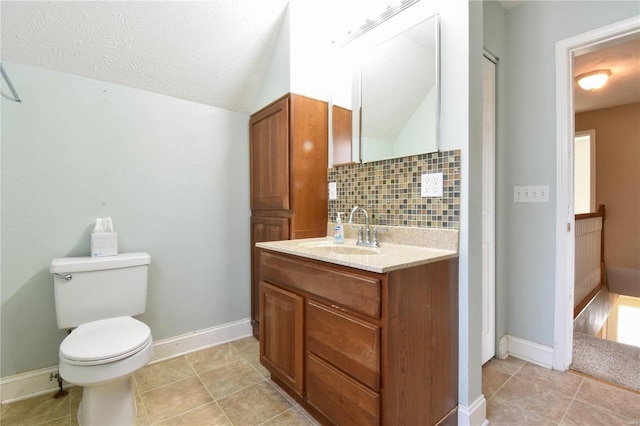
431	185
333	191
531	194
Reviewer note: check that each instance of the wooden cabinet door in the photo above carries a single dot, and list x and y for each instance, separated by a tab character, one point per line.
269	136
342	119
281	334
263	229
309	159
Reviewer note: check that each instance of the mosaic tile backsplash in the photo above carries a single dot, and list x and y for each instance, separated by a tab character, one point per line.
390	191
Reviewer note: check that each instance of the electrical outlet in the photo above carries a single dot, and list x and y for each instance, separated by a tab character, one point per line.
531	194
333	191
431	185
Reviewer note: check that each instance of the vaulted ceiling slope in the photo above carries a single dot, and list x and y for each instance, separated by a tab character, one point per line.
214	52
211	52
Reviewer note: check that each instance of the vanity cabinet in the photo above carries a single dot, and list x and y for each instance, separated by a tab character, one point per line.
361	348
282	333
288	164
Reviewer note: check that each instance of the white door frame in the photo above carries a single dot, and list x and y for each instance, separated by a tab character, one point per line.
565	50
489	209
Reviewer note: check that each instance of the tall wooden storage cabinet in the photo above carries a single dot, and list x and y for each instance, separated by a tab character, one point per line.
289	159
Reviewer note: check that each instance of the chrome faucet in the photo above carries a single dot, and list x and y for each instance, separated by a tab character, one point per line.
364	240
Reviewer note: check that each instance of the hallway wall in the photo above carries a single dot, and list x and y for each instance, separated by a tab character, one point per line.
617	179
526	155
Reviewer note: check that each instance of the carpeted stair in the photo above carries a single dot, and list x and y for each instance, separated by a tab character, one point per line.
611	361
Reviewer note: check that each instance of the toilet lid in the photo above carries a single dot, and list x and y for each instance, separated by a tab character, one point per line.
103	341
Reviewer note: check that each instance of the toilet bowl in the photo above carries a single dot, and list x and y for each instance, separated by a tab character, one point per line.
102	356
96	299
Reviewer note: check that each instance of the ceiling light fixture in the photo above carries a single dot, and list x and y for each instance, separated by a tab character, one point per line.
593	80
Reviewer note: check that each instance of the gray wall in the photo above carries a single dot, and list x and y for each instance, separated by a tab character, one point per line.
173	175
527	151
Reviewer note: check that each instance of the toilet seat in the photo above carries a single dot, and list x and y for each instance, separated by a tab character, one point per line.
105	341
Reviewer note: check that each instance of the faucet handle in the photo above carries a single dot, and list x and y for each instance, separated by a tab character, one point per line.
375	233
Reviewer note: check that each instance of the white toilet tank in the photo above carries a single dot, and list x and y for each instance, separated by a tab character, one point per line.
94	288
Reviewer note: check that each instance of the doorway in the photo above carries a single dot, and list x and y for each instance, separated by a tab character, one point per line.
565	219
584	172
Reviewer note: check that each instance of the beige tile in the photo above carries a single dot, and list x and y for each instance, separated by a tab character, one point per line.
534	398
214	357
35	410
248	347
75	393
73	420
206	415
175	398
254	405
523	394
163	373
510	365
141	413
255	363
492	380
502	412
291	417
580	414
63	421
566	384
610	398
230	378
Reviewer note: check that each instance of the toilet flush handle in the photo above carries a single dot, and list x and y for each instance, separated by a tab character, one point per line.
65	276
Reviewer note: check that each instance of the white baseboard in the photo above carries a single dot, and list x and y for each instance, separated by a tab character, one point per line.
27	385
530	351
475	414
191	342
503	347
37	382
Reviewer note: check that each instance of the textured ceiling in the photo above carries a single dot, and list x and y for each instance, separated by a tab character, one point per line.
623	86
622	58
210	52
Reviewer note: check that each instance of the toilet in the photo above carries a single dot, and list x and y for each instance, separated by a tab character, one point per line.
96	297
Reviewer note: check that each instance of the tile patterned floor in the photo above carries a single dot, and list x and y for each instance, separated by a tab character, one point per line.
226	385
223	385
519	393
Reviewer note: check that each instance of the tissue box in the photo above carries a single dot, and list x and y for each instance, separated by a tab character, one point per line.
104	244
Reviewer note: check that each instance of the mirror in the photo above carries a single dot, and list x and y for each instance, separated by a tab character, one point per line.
395	91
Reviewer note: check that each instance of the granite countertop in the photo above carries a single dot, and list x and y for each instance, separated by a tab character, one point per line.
390	256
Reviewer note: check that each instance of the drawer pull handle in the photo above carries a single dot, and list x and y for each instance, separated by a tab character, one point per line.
341	309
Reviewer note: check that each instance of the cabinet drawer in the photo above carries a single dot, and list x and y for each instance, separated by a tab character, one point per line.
351	345
359	293
340	398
